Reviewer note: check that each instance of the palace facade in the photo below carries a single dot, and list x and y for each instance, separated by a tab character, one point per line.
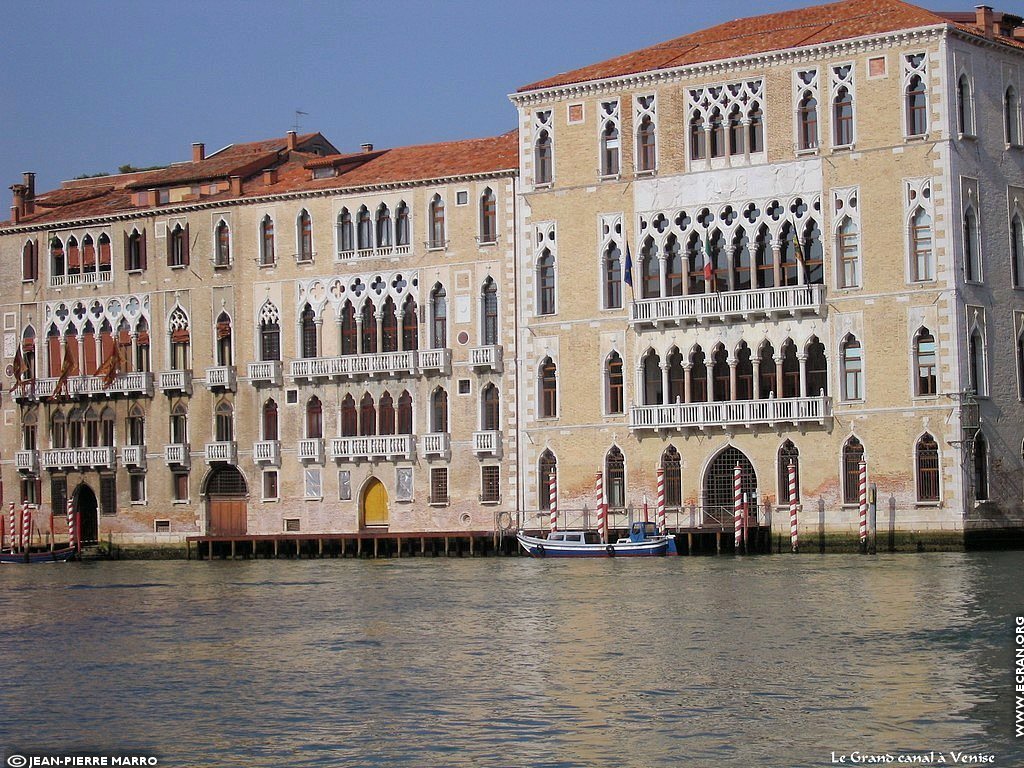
791	240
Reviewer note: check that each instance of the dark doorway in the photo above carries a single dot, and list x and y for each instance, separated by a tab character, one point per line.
88	514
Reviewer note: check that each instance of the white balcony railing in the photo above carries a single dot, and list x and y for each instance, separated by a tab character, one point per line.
366	448
69	458
311	449
222	451
486	357
267	452
139	383
792	410
26	461
435	361
436	444
391	363
82	278
487	443
177	453
175	381
383	251
266	372
221	377
759	302
133	455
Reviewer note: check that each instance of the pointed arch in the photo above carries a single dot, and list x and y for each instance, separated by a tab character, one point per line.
547	467
384	233
345	234
224	421
349	417
853	454
490	408
488	217
614	384
926	468
672	468
719	474
222	244
270	332
304	236
653	384
269	420
489	305
788	455
439	410
367	416
615	478
386	414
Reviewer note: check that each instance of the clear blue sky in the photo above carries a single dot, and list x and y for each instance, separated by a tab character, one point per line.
88	86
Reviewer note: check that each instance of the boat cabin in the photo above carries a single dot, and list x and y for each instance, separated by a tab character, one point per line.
578	537
642	531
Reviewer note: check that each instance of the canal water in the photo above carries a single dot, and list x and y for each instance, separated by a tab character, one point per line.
760	661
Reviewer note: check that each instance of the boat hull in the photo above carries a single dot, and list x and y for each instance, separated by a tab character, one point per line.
545	548
46	556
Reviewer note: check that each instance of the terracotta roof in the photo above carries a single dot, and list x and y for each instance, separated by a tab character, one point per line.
759	34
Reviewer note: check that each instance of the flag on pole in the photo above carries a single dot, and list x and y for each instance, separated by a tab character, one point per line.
61	387
709	268
627	270
112	366
798	251
18	367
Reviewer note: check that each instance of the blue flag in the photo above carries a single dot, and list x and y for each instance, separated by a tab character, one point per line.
628	269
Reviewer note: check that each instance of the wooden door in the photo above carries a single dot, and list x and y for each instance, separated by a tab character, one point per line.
375	504
227	517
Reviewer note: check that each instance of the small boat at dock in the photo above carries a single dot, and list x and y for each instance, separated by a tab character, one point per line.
644	540
62	555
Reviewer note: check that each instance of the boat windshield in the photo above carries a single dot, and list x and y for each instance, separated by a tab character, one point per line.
592	537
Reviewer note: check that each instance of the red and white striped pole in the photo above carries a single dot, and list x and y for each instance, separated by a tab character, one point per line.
737	500
794	536
26	526
863	502
14	529
661	500
72	528
553	500
602	510
3	533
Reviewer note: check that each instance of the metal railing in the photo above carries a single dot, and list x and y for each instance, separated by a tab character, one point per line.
771	302
734	412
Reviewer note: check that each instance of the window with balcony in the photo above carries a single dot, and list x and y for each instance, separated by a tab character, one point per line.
964	106
490	409
368	335
349	417
489	302
853	455
135	250
851	363
177	246
1017	251
389	326
224	422
848	249
1012	117
926	383
439	317
615	478
614	393
437	225
789	456
387	414
307	332
345	235
548	389
136	425
58	263
270	333
410	325
817	368
402	229
981	490
269	421
314	418
439	410
547	468
926	459
304	236
972	247
364	230
30	260
367	416
223	351
488	217
179	424
181	340
405	413
383	226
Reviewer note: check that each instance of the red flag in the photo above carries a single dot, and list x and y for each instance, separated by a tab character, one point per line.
709	269
19	369
61	386
112	366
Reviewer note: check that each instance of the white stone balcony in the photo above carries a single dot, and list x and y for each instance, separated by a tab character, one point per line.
221	377
383	251
82	278
435	361
487	443
267	452
787	301
177	454
368	448
175	381
223	451
71	458
266	372
311	449
742	413
436	444
26	461
486	358
388	363
133	456
139	383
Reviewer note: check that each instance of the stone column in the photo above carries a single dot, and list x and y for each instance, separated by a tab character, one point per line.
803	374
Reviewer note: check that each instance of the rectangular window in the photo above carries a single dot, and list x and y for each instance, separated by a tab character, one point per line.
270	489
179	486
137	486
108	495
927	471
345	485
490	483
161	526
439	485
314	487
59	495
31	490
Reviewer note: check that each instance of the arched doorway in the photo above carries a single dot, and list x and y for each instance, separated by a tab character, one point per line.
374	504
719	493
88	514
226	494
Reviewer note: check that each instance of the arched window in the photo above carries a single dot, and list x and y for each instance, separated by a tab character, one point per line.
437	222
367	416
1017	250
402	224
548	389
740	279
817	368
714	252
267	255
107	428
349	329
92	428
1020	365
788	454
410	325
136	425
270	430
646	159
790	370
488	217
980	467
922	263
848	248
383	226
142	345
223	333
720	376
917	107
698	376
926	460
405	414
387	414
698	143
853	453
103	244
76	423
179	424
439	410
222	236
964	107
314	418
755	128
807	121
612	263
542	158
653	389
925	363
650	270
490	409
1011	117
547	468
58	430
674	270
736	131
842	117
30	260
180	340
439	317
546	283
364	230
717	134
789	265
972	247
851	369
135	251
764	259
615	478
307	325
744	373
304	235
346	237
88	254
270	333
672	466
368	338
58	263
610	149
177	246
389	327
814	255
614	400
489	300
224	418
676	377
349	417
976	362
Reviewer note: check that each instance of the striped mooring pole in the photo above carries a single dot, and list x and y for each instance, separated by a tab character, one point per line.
72	528
26	526
553	501
3	532
602	510
794	535
863	503
14	529
662	522
737	485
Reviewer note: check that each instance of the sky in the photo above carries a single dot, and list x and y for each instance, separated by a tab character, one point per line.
88	86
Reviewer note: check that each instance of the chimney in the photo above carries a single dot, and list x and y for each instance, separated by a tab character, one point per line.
236	186
18	204
270	176
198	152
292	141
983	19
29	180
367	148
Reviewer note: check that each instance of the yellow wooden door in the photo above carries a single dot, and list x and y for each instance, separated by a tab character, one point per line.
375	504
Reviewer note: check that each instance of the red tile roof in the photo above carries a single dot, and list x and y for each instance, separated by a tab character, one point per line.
760	34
